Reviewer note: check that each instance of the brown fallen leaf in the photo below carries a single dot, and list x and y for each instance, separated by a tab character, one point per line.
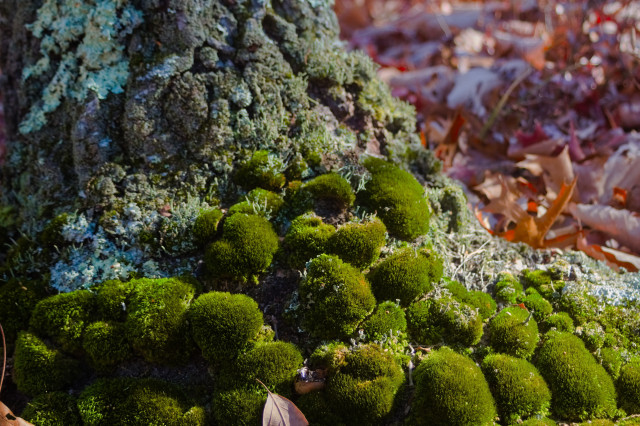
6	416
532	230
622	225
279	411
612	257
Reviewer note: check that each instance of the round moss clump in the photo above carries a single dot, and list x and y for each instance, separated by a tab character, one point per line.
224	324
38	368
157	326
52	409
540	307
628	385
137	402
508	289
106	344
63	317
246	249
581	387
263	170
388	318
451	391
543	281
307	238
358	244
478	299
560	321
112	298
517	386
205	227
18	299
514	332
611	359
398	198
274	363
241	407
433	321
332	188
335	298
259	201
544	421
405	275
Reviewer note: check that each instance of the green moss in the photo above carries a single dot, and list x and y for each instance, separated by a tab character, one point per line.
543	281
329	357
263	170
508	289
534	421
38	368
628	386
317	410
540	307
331	187
561	321
51	235
224	324
514	332
306	238
52	409
592	335
112	298
398	198
368	362
238	407
18	299
388	318
581	306
434	321
137	402
64	317
157	324
517	386
335	298
259	201
406	275
611	359
581	388
451	391
358	244
205	227
106	344
246	249
274	363
478	299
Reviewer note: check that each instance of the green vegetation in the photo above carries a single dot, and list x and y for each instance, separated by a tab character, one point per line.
263	170
508	289
581	387
451	391
517	387
478	299
332	188
52	409
223	324
561	321
544	282
514	332
246	249
358	244
259	201
106	345
335	298
241	407
540	307
398	198
18	300
406	275
205	227
307	238
112	298
628	386
387	319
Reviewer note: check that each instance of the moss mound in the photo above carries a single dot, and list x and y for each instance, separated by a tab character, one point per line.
358	244
405	275
581	388
52	409
106	345
451	390
517	386
307	238
514	332
628	385
387	319
241	407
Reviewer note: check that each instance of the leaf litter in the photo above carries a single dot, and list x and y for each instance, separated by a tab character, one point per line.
533	106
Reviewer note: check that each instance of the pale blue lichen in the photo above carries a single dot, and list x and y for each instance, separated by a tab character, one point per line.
89	38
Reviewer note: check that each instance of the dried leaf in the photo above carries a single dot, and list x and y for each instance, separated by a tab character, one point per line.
621	225
612	257
279	411
556	170
8	419
307	387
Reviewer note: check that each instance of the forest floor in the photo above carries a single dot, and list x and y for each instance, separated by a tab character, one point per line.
533	106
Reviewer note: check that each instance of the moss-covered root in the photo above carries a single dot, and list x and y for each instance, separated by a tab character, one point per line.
406	275
514	331
517	386
137	402
451	391
335	297
52	409
398	198
224	324
581	387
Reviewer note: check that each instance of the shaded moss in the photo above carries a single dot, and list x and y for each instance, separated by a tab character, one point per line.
331	187
628	386
137	402
52	409
517	386
405	275
39	368
106	344
434	321
398	198
388	318
224	324
112	298
64	317
335	298
263	170
358	244
238	407
18	299
157	326
246	249
451	391
317	410
306	238
581	388
205	227
513	331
